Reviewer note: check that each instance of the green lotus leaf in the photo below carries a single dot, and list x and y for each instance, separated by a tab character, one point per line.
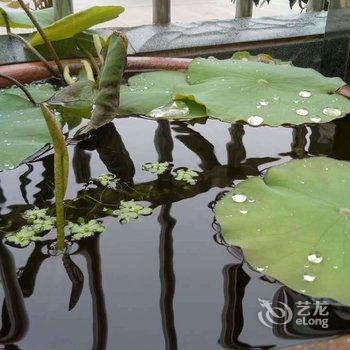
75	23
23	129
75	101
147	92
19	19
259	93
294	225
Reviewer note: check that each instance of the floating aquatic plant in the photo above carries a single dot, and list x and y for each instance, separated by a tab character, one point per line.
34	214
43	224
131	210
151	94
186	175
156	168
106	179
24	237
84	230
255	89
38	221
294	225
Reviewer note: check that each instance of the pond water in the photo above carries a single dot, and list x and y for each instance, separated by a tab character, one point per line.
164	281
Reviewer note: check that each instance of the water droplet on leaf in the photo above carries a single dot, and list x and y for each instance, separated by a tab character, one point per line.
263	103
255	120
316	120
175	110
305	94
315	258
239	198
308	277
332	112
302	111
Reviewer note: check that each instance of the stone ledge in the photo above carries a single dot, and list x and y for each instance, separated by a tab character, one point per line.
147	39
186	39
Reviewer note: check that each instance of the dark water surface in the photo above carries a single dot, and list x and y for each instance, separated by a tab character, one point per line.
165	281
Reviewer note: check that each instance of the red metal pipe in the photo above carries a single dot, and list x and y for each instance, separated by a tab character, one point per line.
32	71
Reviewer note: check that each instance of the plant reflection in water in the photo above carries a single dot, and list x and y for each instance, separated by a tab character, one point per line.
162	192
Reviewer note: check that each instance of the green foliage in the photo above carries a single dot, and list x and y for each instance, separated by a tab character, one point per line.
76	23
107	179
186	175
35	214
131	210
19	19
24	237
75	100
147	92
255	89
84	230
156	168
294	225
23	130
258	93
106	103
38	221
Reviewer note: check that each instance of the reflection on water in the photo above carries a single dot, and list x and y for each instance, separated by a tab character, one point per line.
161	281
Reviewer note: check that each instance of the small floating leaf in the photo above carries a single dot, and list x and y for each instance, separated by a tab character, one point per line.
298	226
186	175
156	168
24	237
84	230
35	214
106	179
131	210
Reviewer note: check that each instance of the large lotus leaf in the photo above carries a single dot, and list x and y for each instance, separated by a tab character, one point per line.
40	92
235	90
295	225
79	93
146	92
75	23
19	19
23	129
75	100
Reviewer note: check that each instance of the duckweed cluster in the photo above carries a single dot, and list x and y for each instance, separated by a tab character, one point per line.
38	222
131	210
84	230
